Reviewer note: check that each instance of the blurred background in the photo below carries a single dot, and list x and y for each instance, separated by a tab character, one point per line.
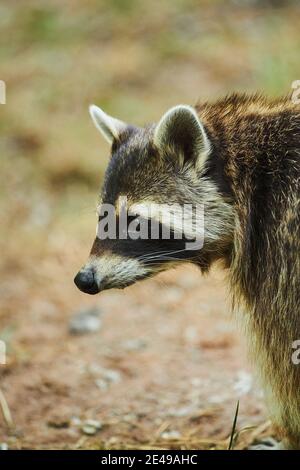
161	364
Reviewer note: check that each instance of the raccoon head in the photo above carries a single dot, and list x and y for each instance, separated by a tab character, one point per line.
159	205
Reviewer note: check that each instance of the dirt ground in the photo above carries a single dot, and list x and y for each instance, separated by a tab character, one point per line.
165	370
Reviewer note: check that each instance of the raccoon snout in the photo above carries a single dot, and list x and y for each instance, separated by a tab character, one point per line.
86	282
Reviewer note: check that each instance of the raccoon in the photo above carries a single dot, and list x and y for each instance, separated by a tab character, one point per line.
239	158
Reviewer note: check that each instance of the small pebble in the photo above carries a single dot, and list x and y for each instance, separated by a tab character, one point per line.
169	435
135	344
101	384
130	418
112	376
243	383
91	427
108	375
85	321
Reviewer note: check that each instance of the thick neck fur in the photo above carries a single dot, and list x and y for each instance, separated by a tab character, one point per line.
258	144
256	151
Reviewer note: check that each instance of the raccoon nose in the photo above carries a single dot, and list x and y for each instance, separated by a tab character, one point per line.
85	281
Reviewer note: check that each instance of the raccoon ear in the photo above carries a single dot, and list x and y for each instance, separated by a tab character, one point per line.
181	129
109	127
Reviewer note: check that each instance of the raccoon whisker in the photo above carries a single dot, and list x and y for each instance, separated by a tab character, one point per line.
157	254
163	258
159	264
169	258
